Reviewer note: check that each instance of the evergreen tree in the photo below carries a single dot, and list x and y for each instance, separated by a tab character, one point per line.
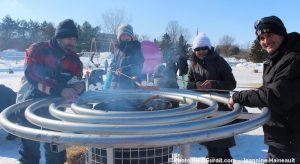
22	39
85	36
8	32
183	49
165	46
47	30
156	41
86	33
19	34
183	46
34	31
257	54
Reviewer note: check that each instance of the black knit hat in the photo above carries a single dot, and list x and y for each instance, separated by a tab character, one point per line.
271	24
65	29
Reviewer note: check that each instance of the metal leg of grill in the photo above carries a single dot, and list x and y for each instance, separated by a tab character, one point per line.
110	155
185	151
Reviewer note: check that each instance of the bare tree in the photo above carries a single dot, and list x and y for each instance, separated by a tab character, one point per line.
226	40
112	18
224	47
174	30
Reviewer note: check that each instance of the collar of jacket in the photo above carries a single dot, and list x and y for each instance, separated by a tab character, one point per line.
292	43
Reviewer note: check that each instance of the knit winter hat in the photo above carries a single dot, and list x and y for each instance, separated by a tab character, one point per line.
201	40
124	29
271	24
65	29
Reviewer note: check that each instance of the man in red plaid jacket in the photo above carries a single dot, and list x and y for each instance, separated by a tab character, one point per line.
52	69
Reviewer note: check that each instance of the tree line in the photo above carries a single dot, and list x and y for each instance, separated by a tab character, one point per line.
19	34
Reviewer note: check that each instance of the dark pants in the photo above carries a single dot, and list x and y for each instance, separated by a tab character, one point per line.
219	155
30	150
219	149
275	154
30	153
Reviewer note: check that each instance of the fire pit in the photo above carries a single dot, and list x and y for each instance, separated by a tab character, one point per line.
114	132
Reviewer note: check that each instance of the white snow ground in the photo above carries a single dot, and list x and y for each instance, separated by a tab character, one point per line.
249	146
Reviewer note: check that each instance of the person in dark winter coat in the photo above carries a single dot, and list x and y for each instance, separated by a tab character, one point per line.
208	70
52	69
165	76
96	76
182	65
128	59
280	90
8	98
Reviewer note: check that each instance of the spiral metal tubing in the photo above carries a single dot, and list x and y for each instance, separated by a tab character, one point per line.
76	122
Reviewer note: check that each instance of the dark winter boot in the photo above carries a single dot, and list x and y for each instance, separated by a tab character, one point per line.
11	137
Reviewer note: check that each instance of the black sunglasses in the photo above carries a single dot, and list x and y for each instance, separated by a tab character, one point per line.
201	48
267	20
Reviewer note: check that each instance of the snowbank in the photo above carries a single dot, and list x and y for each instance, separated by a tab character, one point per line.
11	54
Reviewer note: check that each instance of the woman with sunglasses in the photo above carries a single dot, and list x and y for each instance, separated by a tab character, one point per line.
208	70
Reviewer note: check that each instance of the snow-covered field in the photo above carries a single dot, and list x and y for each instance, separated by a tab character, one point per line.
249	146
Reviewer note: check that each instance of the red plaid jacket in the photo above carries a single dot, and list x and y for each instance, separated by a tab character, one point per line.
49	68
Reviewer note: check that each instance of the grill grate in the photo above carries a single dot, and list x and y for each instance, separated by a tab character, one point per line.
154	155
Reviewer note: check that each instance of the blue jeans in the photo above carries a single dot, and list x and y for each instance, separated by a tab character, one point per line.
30	150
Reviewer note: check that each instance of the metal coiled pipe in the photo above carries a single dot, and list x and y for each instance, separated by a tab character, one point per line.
77	124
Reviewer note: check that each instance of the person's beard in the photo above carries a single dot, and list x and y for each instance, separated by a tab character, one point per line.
67	48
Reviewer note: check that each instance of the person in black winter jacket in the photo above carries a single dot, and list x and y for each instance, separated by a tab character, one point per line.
165	77
280	90
208	70
8	98
128	60
182	65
